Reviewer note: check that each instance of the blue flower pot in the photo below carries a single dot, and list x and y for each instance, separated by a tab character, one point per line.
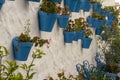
111	17
74	5
109	23
68	37
91	21
98	31
56	0
97	23
21	49
103	22
86	42
34	0
63	20
76	36
1	3
85	6
96	7
46	21
81	34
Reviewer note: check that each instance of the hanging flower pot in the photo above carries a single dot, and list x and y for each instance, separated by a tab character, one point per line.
56	0
98	31
74	5
34	0
1	3
91	20
86	42
46	21
111	17
96	7
63	20
85	6
76	36
81	34
21	49
68	36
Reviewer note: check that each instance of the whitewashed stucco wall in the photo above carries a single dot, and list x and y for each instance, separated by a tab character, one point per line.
60	55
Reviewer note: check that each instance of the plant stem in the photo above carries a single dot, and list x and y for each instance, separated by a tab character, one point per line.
27	78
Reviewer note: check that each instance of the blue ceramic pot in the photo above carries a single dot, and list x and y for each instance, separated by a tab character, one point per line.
86	42
21	49
76	36
63	20
91	21
111	17
98	31
96	7
85	6
68	37
56	0
1	3
46	21
74	5
81	34
34	0
97	23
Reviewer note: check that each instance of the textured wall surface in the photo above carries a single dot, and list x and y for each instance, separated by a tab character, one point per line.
60	55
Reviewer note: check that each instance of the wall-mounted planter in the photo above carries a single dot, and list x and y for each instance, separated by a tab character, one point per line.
1	3
46	21
111	17
86	42
63	20
21	49
98	31
98	23
34	0
68	37
91	21
56	0
96	7
85	6
76	36
74	5
81	34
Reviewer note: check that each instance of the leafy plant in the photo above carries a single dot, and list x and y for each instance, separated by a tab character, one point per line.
80	24
50	7
95	1
70	26
111	48
25	37
64	11
112	10
7	71
97	16
88	33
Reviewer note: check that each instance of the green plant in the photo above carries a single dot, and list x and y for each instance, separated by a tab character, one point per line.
8	70
88	33
112	10
95	1
97	16
62	76
49	6
64	11
111	48
25	37
70	26
80	24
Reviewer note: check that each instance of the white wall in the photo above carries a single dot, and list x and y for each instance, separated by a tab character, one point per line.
59	56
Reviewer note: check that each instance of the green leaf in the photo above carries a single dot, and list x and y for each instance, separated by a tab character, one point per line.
31	75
